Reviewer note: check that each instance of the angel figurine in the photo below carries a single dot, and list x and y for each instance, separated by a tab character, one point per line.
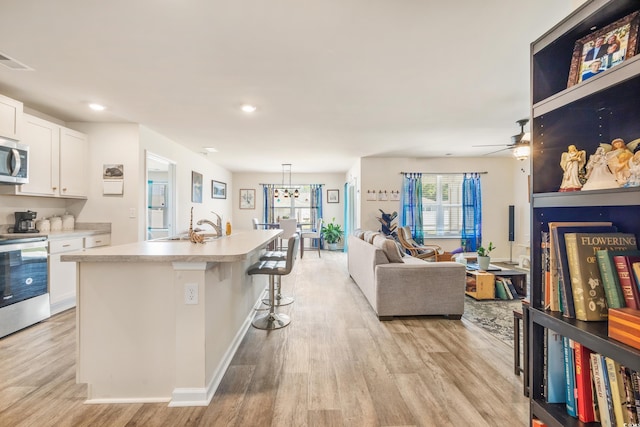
598	174
634	171
618	158
572	162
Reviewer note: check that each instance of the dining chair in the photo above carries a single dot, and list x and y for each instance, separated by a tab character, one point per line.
255	223
315	234
289	227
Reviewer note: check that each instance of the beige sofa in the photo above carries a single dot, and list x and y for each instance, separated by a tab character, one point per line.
398	285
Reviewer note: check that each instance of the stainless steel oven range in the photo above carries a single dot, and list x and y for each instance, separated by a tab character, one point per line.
23	283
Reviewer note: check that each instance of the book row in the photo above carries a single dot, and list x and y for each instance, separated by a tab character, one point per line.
593	387
589	267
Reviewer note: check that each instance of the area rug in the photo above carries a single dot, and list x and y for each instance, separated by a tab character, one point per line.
494	316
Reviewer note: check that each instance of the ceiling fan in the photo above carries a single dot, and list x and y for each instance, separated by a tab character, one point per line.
517	142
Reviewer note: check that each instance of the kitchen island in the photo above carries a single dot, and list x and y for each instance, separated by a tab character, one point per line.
159	321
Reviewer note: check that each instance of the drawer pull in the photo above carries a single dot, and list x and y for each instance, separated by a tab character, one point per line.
66	246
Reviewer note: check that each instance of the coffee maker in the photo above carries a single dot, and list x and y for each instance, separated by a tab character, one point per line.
25	222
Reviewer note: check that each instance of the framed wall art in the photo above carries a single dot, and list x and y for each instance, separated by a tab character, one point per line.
603	49
196	187
247	198
333	196
218	190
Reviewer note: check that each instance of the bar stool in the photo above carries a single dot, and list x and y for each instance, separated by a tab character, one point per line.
279	298
273	320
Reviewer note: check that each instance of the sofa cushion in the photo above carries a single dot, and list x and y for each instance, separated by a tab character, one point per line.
389	248
359	234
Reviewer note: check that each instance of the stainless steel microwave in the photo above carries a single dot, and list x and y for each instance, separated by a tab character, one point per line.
14	162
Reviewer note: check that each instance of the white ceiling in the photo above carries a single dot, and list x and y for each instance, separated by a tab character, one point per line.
333	80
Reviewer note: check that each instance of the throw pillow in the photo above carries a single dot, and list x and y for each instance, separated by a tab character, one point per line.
389	248
359	234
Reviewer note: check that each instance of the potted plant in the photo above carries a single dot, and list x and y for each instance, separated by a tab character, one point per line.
332	234
483	256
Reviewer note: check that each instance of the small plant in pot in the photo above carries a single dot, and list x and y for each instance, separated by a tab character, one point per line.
483	256
332	234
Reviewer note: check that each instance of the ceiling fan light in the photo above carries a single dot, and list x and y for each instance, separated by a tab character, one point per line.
275	193
296	193
522	151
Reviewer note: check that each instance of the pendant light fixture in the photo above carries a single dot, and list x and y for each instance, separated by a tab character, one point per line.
286	169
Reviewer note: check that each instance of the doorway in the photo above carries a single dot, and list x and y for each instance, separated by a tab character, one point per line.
161	206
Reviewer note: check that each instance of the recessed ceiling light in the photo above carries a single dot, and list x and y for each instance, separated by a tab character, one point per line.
97	107
211	149
248	108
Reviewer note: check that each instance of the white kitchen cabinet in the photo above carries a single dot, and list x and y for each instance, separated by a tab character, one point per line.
97	240
43	138
74	156
58	159
10	118
62	275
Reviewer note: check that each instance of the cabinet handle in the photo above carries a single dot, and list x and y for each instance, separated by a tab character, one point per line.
98	241
66	246
64	189
55	188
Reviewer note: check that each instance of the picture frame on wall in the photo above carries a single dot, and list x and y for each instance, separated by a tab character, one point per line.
218	190
247	198
604	48
333	196
196	187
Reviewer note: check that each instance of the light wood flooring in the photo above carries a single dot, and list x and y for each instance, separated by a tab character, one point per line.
335	365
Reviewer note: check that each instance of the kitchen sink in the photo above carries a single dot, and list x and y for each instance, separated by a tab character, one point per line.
208	237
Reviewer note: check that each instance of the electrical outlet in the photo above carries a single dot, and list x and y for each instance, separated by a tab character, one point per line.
191	293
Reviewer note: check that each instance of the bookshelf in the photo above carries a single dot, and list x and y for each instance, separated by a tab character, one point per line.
586	114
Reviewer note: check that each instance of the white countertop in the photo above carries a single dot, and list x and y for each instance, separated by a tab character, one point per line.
53	235
232	248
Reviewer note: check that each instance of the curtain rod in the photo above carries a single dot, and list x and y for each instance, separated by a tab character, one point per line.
446	173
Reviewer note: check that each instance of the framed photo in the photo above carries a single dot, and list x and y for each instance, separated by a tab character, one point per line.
247	198
218	190
113	171
604	49
372	195
382	195
333	196
394	195
196	187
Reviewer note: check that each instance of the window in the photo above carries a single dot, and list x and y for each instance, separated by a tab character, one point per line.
442	205
294	207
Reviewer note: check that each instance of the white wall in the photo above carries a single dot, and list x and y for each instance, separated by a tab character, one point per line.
187	161
503	185
112	143
243	217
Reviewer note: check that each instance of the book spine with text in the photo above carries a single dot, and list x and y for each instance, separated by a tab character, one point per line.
584	383
630	400
612	290
601	393
627	281
569	370
618	398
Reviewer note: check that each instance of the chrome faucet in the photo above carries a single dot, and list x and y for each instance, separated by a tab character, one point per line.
217	226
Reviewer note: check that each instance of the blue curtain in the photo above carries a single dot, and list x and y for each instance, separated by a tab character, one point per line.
267	207
471	212
411	209
315	203
345	215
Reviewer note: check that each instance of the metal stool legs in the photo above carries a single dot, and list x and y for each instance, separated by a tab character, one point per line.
271	320
279	299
